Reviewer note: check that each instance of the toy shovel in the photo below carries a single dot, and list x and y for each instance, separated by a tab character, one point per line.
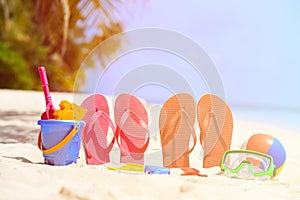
48	114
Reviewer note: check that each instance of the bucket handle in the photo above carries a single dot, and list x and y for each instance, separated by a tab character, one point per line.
58	146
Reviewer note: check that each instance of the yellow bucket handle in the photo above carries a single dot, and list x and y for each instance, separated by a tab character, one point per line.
59	145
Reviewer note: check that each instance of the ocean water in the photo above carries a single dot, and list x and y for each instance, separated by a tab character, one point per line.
285	118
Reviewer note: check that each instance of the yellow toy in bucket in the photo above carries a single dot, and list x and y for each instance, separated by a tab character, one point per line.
69	111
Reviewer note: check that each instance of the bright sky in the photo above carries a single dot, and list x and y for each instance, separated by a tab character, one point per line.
255	44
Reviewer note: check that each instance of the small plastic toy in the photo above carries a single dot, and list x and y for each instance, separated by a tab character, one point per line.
137	168
128	167
269	145
149	169
248	164
48	114
69	111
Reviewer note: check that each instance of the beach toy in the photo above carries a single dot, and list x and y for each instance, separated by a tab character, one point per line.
149	169
216	126
134	167
188	171
248	164
48	114
130	167
79	112
176	125
132	134
69	111
65	112
269	145
59	141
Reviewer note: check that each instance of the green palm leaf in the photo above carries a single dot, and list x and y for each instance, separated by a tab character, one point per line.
59	34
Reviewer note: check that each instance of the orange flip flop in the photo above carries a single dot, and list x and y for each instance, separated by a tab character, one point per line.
216	125
176	125
95	133
132	132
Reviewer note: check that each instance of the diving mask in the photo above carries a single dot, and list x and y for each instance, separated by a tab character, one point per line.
248	164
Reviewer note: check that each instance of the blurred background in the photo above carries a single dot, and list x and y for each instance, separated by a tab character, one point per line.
55	33
255	45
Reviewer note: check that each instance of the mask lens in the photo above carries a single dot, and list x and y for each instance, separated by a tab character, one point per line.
259	163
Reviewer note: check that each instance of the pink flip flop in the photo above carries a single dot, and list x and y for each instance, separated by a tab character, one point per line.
132	133
95	133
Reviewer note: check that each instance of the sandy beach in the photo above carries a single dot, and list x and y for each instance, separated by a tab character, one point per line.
24	176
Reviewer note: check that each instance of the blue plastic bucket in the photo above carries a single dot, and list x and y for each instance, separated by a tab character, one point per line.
52	133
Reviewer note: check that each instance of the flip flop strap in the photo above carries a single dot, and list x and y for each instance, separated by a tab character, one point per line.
206	123
120	134
58	146
191	127
92	123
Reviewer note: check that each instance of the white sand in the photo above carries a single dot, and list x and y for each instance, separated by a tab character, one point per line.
23	176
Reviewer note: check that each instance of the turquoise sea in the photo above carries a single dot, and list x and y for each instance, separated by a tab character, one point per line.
285	118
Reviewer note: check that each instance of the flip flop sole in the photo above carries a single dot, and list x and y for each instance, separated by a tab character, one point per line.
131	120
216	125
95	141
176	124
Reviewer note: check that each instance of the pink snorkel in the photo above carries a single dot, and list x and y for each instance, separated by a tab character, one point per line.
49	106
